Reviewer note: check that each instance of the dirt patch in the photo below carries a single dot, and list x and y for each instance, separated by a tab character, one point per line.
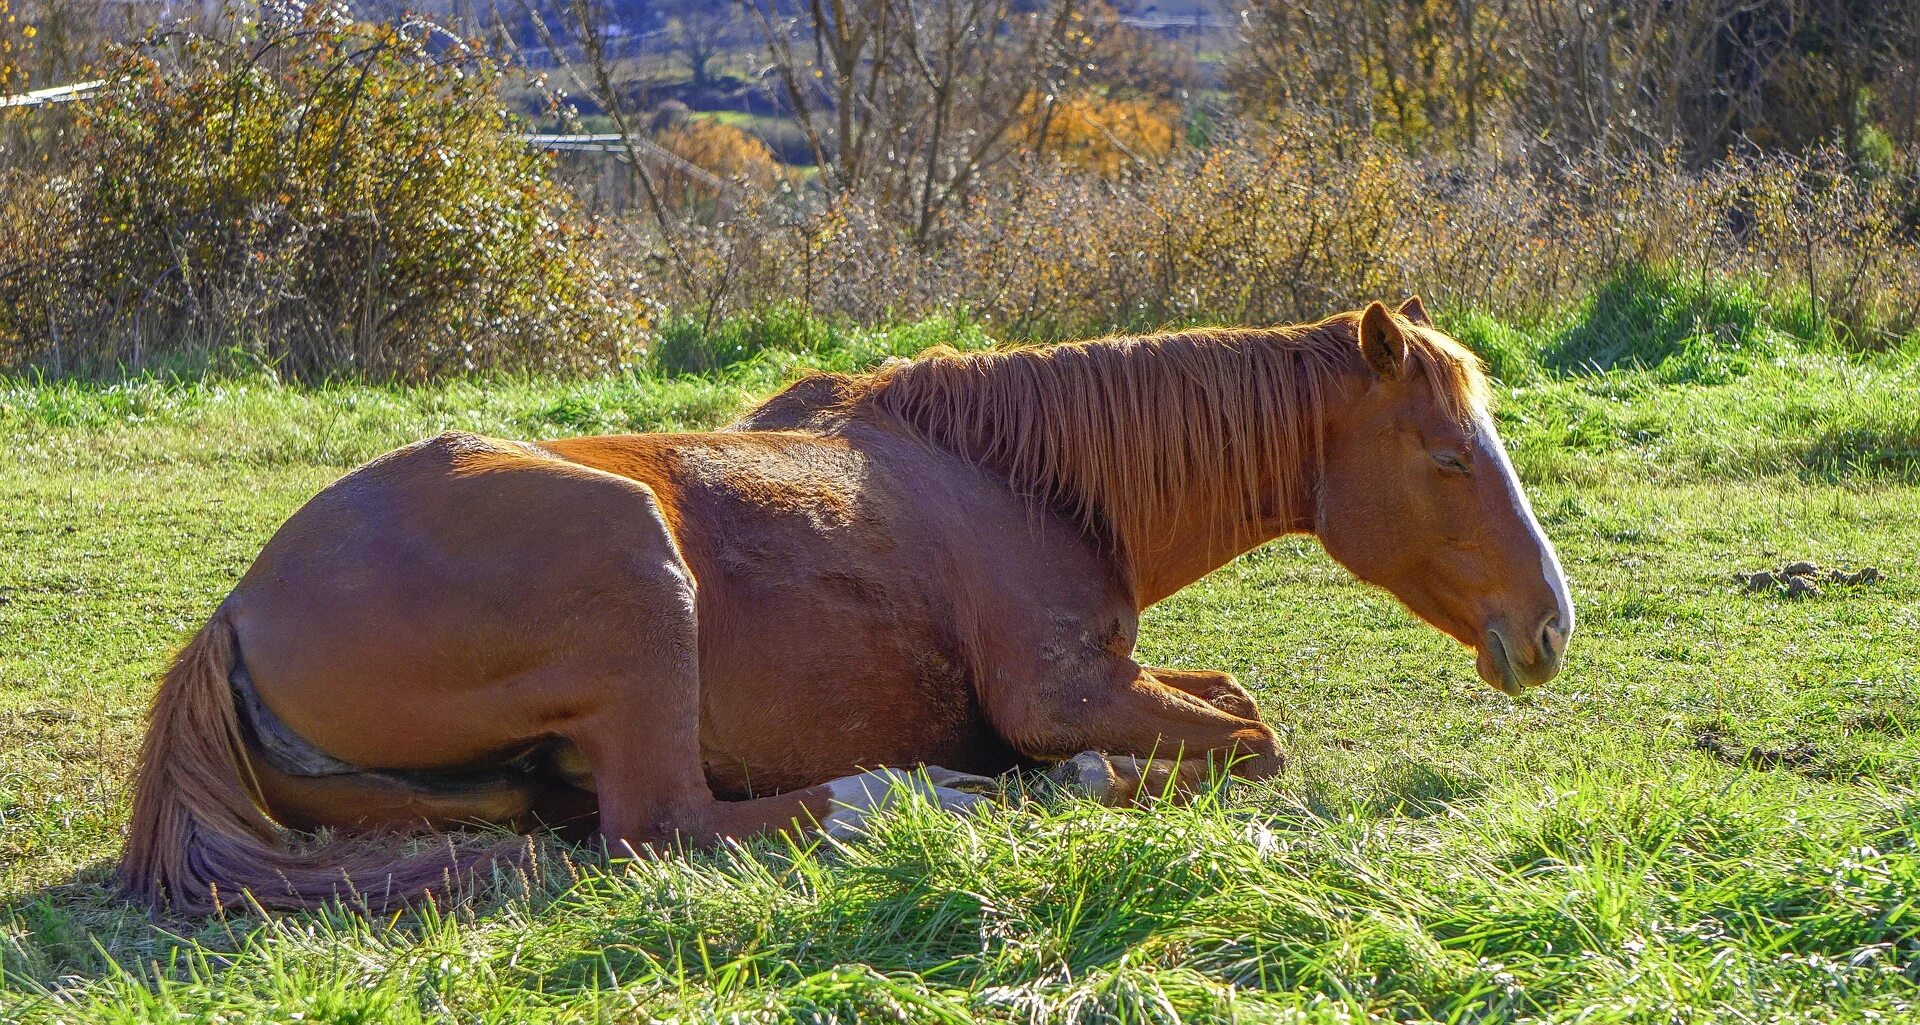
1798	756
1804	579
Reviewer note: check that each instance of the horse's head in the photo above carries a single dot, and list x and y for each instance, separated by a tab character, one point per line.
1417	496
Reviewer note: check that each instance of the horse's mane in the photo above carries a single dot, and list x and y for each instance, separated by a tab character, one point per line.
1117	432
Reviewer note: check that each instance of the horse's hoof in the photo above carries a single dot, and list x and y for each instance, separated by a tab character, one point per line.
1088	774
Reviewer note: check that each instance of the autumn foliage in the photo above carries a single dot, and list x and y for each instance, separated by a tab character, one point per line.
1095	133
721	157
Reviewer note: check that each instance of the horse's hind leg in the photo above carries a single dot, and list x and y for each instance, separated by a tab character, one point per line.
370	801
632	676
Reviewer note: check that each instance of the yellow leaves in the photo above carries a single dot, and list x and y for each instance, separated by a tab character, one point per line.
720	149
1098	133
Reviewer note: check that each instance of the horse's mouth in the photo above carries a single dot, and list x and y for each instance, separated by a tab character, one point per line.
1502	678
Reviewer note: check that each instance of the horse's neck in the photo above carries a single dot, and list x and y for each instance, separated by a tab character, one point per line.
1199	539
1167	545
1184	451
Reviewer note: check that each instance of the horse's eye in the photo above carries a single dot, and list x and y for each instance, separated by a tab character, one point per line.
1450	462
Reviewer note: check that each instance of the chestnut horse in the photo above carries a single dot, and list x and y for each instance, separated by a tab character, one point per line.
687	637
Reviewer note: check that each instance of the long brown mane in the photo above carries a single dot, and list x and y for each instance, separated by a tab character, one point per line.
1118	432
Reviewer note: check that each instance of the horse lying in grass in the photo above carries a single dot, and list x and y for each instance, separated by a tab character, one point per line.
687	637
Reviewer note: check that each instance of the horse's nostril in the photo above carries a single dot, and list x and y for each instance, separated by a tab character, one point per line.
1553	637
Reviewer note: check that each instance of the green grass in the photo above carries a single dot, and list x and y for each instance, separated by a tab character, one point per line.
1618	846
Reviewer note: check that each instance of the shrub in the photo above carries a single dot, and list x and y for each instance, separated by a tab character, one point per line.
1508	351
1101	134
687	346
1646	318
721	150
765	348
322	196
1270	226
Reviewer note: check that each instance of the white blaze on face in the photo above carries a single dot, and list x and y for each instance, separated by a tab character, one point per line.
1496	452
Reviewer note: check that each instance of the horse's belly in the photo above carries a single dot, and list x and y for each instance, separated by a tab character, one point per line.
781	717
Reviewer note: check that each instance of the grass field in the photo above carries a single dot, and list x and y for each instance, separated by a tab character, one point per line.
1714	814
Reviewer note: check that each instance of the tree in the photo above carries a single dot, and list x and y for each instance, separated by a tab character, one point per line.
700	31
909	102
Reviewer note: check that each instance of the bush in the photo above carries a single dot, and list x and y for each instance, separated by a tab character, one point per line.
722	151
1292	224
687	346
1099	133
324	197
764	347
1701	330
1509	353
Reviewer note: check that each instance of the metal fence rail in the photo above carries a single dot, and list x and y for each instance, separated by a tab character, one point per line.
576	143
609	143
52	94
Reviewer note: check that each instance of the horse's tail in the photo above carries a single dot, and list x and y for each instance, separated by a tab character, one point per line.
199	839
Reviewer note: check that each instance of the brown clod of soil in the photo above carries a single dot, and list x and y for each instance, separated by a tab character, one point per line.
1800	579
1794	757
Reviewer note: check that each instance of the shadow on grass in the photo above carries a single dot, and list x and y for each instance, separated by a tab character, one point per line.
1887	451
1693	331
1401	787
68	933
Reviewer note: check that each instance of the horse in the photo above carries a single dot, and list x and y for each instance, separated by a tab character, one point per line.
676	639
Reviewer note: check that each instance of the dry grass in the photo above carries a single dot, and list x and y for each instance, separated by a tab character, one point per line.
1279	226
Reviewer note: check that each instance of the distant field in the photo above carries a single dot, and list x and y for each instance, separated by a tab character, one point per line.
1713	815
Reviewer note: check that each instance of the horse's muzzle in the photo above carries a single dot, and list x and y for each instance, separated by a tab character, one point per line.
1511	668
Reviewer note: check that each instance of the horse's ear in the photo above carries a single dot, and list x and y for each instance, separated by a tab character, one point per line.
1415	310
1381	342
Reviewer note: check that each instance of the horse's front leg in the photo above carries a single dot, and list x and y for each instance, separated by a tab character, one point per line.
1125	710
1212	686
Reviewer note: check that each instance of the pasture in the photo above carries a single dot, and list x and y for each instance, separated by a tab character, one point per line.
1714	814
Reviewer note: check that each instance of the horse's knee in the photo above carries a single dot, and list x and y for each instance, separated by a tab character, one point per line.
1226	694
1255	754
